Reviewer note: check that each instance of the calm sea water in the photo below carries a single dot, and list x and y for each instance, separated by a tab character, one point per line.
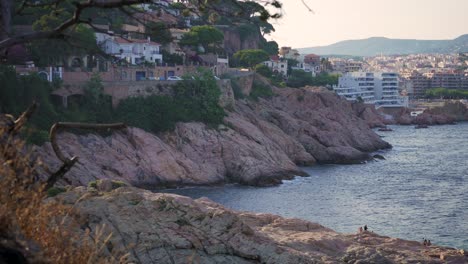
419	191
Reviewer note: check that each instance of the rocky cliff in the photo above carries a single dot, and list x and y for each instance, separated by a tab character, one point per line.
260	143
167	228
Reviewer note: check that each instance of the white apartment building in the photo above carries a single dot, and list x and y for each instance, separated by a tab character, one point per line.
379	88
134	51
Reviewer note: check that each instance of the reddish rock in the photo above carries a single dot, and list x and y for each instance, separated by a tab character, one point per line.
261	143
168	228
368	113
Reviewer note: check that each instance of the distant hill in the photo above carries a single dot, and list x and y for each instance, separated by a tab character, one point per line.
380	45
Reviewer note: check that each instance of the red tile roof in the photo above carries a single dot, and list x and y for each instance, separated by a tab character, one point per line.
274	58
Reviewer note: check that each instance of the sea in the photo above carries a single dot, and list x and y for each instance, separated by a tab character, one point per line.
420	190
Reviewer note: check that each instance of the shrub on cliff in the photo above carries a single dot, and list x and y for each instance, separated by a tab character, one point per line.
194	99
18	92
260	90
199	98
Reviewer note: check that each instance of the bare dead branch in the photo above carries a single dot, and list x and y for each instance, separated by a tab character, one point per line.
62	125
308	8
60	173
69	162
21	121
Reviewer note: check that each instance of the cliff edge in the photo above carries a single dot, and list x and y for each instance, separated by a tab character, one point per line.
260	143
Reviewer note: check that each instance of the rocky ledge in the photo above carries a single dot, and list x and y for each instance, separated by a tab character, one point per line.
260	143
449	113
168	228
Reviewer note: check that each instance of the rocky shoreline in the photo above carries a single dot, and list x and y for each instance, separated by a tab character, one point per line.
448	114
260	143
168	228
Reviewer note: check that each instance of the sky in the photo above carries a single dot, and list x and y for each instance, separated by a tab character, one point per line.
336	20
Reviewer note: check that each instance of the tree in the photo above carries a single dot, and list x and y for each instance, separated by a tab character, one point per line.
208	37
326	65
80	42
271	47
251	57
159	32
291	63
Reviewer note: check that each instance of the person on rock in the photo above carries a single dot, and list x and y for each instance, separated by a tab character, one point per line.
425	242
429	243
360	229
365	227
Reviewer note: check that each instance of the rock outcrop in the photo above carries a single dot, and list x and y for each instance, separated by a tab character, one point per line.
168	228
456	111
369	114
450	113
260	143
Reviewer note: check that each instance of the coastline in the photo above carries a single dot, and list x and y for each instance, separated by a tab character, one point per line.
260	143
400	196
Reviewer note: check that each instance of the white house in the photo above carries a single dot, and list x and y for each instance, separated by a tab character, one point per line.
277	65
379	88
134	51
307	68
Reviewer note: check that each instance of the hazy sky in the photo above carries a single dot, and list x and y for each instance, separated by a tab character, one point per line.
336	20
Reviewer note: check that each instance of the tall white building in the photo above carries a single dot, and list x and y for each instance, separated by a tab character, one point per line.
379	88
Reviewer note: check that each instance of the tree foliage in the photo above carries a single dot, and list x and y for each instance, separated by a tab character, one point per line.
263	70
447	93
300	78
271	47
260	90
159	32
194	99
250	57
208	37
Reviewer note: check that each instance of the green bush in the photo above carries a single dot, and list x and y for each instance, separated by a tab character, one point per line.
118	184
260	90
54	191
194	99
263	70
447	93
300	78
237	89
92	184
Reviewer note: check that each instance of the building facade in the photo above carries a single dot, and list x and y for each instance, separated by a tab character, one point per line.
277	65
134	51
378	88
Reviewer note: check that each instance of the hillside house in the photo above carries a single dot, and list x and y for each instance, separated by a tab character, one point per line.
134	51
277	65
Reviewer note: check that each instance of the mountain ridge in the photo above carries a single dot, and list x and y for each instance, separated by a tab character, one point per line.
382	45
